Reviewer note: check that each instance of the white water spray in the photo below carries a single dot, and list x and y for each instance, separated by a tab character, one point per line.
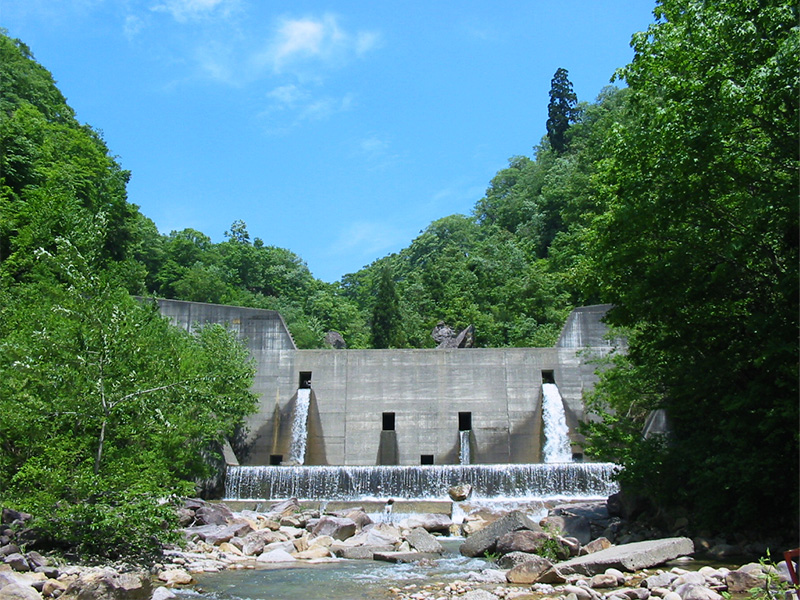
556	433
463	454
297	449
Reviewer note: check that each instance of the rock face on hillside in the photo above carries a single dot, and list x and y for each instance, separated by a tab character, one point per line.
446	337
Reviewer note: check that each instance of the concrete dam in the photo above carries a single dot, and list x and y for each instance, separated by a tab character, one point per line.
362	423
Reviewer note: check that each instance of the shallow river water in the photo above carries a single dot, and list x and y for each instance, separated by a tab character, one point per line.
340	580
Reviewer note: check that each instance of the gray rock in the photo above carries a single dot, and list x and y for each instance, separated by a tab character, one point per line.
488	576
430	522
639	593
422	541
404	557
512	559
693	577
213	514
110	585
254	542
569	525
9	549
163	593
335	340
276	556
337	527
629	557
479	595
522	540
693	591
16	591
661	580
529	572
743	580
225	533
603	581
17	562
596	545
580	592
459	493
362	552
485	540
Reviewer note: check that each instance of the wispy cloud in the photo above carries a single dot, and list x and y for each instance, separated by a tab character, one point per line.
368	239
301	105
298	42
187	10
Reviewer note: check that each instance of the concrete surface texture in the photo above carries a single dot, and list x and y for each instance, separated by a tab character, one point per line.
372	407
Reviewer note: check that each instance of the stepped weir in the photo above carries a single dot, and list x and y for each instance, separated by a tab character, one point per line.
428	482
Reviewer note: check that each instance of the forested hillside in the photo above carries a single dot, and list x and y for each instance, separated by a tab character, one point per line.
673	197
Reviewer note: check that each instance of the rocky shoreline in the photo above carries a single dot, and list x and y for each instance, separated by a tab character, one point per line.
579	551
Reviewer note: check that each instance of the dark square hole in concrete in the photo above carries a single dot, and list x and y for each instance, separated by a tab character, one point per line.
426	459
388	421
464	421
275	459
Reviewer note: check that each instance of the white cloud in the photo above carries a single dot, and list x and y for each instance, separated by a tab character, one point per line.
368	239
185	10
287	96
299	41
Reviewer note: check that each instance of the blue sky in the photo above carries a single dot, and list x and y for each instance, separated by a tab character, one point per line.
337	129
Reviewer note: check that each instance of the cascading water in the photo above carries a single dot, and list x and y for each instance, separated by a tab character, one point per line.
556	433
574	480
463	453
297	449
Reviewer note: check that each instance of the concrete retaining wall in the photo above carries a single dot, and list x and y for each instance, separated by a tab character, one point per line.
425	389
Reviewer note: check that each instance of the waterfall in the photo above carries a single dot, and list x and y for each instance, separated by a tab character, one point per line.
297	449
556	433
463	453
532	481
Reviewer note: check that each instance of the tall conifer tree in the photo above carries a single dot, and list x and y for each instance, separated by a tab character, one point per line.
560	110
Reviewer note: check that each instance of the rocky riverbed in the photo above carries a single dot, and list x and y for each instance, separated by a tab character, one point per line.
579	551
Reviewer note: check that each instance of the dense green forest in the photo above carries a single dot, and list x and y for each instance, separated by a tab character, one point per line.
673	197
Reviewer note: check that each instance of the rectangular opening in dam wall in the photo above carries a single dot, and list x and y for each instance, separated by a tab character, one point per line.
465	421
548	377
275	459
426	459
388	421
305	380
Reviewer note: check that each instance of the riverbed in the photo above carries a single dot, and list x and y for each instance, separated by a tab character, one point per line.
338	580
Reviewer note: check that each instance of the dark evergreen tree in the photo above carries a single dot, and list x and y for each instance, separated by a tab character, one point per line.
386	332
561	110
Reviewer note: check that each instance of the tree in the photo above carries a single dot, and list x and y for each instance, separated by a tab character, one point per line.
698	251
107	408
561	110
386	323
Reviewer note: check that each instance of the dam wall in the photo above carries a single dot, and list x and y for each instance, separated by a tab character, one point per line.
406	406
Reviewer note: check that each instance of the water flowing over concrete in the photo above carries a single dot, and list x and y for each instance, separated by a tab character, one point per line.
463	453
297	454
531	481
556	446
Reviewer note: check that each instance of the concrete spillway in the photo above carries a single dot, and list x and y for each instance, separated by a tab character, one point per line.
531	481
556	433
297	448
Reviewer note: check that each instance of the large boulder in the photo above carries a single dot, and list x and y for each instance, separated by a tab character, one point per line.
430	522
17	591
629	557
254	542
530	571
569	526
339	528
522	540
422	541
110	585
459	493
213	514
485	540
